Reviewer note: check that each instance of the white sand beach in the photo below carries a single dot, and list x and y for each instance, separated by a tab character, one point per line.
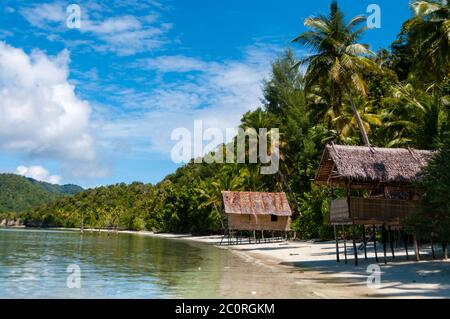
313	264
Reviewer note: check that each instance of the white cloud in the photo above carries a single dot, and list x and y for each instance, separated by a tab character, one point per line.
123	34
45	14
174	63
40	114
38	173
218	93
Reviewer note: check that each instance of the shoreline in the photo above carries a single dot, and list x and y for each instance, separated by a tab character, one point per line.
314	264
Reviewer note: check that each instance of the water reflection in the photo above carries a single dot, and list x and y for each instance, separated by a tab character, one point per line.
33	264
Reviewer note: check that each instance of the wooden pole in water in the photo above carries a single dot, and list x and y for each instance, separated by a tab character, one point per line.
337	243
365	242
354	245
391	242
82	221
383	229
375	242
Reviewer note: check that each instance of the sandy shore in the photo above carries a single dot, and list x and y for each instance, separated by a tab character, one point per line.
313	265
399	278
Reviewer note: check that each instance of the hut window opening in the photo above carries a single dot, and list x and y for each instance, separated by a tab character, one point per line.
273	218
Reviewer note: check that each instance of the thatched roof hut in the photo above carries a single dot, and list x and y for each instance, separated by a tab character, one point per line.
257	211
388	173
368	167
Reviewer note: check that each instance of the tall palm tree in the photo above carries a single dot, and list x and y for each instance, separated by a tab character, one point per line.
337	57
429	32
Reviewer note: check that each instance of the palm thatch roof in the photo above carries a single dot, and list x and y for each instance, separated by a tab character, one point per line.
361	166
256	203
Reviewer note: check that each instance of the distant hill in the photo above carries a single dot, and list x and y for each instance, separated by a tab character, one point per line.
19	193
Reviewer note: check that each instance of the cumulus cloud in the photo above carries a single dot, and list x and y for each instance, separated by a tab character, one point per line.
40	114
38	173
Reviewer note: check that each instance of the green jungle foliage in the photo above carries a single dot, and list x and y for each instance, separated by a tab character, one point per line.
398	97
18	193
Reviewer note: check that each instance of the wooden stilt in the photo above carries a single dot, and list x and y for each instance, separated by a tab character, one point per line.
345	243
337	243
383	230
432	248
445	250
397	237
365	242
405	239
223	237
416	248
355	251
375	242
391	243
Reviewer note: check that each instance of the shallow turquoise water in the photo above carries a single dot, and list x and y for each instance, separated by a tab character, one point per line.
34	264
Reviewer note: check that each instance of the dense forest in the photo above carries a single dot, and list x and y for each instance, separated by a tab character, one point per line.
396	97
18	193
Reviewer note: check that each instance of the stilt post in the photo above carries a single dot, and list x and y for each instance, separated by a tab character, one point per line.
391	241
405	239
432	248
337	242
375	241
416	248
354	245
365	242
345	244
383	229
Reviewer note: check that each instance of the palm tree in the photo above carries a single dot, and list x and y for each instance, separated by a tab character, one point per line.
411	117
260	119
337	57
429	32
347	122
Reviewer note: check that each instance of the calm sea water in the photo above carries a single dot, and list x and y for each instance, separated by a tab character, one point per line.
34	264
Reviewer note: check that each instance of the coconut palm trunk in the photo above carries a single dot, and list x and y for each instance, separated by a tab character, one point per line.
362	130
290	192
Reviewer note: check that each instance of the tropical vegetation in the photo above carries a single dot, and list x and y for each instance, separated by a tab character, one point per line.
396	97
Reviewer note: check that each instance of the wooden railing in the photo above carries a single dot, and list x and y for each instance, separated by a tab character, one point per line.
370	210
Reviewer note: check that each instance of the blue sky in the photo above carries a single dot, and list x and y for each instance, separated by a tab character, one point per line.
97	105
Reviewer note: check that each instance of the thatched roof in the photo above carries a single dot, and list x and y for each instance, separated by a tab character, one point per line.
363	166
256	203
